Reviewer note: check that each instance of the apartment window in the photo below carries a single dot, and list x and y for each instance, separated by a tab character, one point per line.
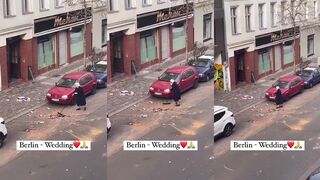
207	26
146	2
44	5
306	10
104	34
130	4
248	18
310	45
261	16
273	14
9	8
283	8
234	20
58	3
26	6
315	8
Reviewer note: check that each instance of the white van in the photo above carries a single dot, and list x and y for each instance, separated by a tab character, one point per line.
3	131
108	124
224	121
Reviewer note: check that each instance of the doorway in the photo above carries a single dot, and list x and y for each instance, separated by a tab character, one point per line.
117	64
240	66
14	64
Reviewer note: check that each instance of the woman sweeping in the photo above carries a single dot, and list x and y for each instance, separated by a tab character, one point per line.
279	98
80	97
176	92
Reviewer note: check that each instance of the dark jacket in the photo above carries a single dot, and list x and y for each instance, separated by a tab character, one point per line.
176	91
80	97
279	98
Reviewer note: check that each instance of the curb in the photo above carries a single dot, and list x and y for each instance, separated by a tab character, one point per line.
248	107
25	112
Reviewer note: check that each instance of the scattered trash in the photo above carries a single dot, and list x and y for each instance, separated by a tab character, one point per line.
48	108
135	105
150	102
159	109
144	115
132	109
111	94
259	172
261	115
183	169
40	122
167	102
67	169
7	100
228	168
170	162
247	97
57	115
211	157
130	123
126	93
23	99
32	111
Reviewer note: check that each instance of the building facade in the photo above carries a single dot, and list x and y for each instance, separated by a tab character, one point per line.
141	33
259	41
38	36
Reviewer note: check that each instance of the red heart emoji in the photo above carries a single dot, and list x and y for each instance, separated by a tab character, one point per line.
76	144
183	144
290	143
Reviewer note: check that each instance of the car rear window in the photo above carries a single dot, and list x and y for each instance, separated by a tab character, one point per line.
219	115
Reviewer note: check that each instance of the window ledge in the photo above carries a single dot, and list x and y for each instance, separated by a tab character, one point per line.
146	5
274	26
236	34
26	13
104	45
130	8
208	39
250	31
10	16
113	11
310	54
43	10
58	7
263	28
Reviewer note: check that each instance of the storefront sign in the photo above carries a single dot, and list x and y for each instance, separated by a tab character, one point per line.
163	15
275	36
60	20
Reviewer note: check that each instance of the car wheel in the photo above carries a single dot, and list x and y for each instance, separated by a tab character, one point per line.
310	85
228	130
195	84
1	140
207	77
94	90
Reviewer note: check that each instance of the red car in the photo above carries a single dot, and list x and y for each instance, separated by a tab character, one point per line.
63	91
186	77
289	86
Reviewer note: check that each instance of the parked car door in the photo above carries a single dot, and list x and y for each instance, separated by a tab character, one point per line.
218	122
85	83
296	86
183	82
190	78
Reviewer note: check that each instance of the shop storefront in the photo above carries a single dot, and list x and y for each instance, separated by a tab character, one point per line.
59	40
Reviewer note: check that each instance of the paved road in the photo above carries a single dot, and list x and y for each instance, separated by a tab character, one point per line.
191	121
298	121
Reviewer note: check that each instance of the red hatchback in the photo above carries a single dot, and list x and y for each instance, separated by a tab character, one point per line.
63	91
289	86
185	76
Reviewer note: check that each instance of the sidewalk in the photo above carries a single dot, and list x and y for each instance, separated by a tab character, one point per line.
252	94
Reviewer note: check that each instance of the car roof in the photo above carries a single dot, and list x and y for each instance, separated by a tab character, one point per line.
288	78
177	69
217	109
76	75
102	62
206	57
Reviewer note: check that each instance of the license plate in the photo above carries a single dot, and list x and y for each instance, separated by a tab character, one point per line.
272	97
158	94
55	100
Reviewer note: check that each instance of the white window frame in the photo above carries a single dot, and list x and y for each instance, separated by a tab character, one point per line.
112	5
44	5
261	11
273	14
205	26
9	8
306	16
248	17
58	3
315	9
130	4
104	32
310	37
161	1
27	6
146	2
283	14
234	21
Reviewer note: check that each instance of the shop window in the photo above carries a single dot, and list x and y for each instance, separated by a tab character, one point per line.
264	61
76	45
179	39
45	51
288	52
104	35
310	45
148	48
207	26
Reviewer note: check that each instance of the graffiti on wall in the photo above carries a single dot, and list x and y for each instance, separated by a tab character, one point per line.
218	77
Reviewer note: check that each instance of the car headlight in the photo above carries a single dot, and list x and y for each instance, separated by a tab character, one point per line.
166	90
48	94
200	74
151	89
306	82
267	94
99	80
64	97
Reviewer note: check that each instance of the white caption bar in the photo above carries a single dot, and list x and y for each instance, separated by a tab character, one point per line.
53	145
160	145
290	145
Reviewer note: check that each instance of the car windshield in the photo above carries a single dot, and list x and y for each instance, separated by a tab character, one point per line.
281	84
199	63
306	73
166	76
99	68
66	82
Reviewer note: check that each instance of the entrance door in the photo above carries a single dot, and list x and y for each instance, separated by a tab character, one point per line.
240	66
277	56
117	64
14	59
165	42
62	48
